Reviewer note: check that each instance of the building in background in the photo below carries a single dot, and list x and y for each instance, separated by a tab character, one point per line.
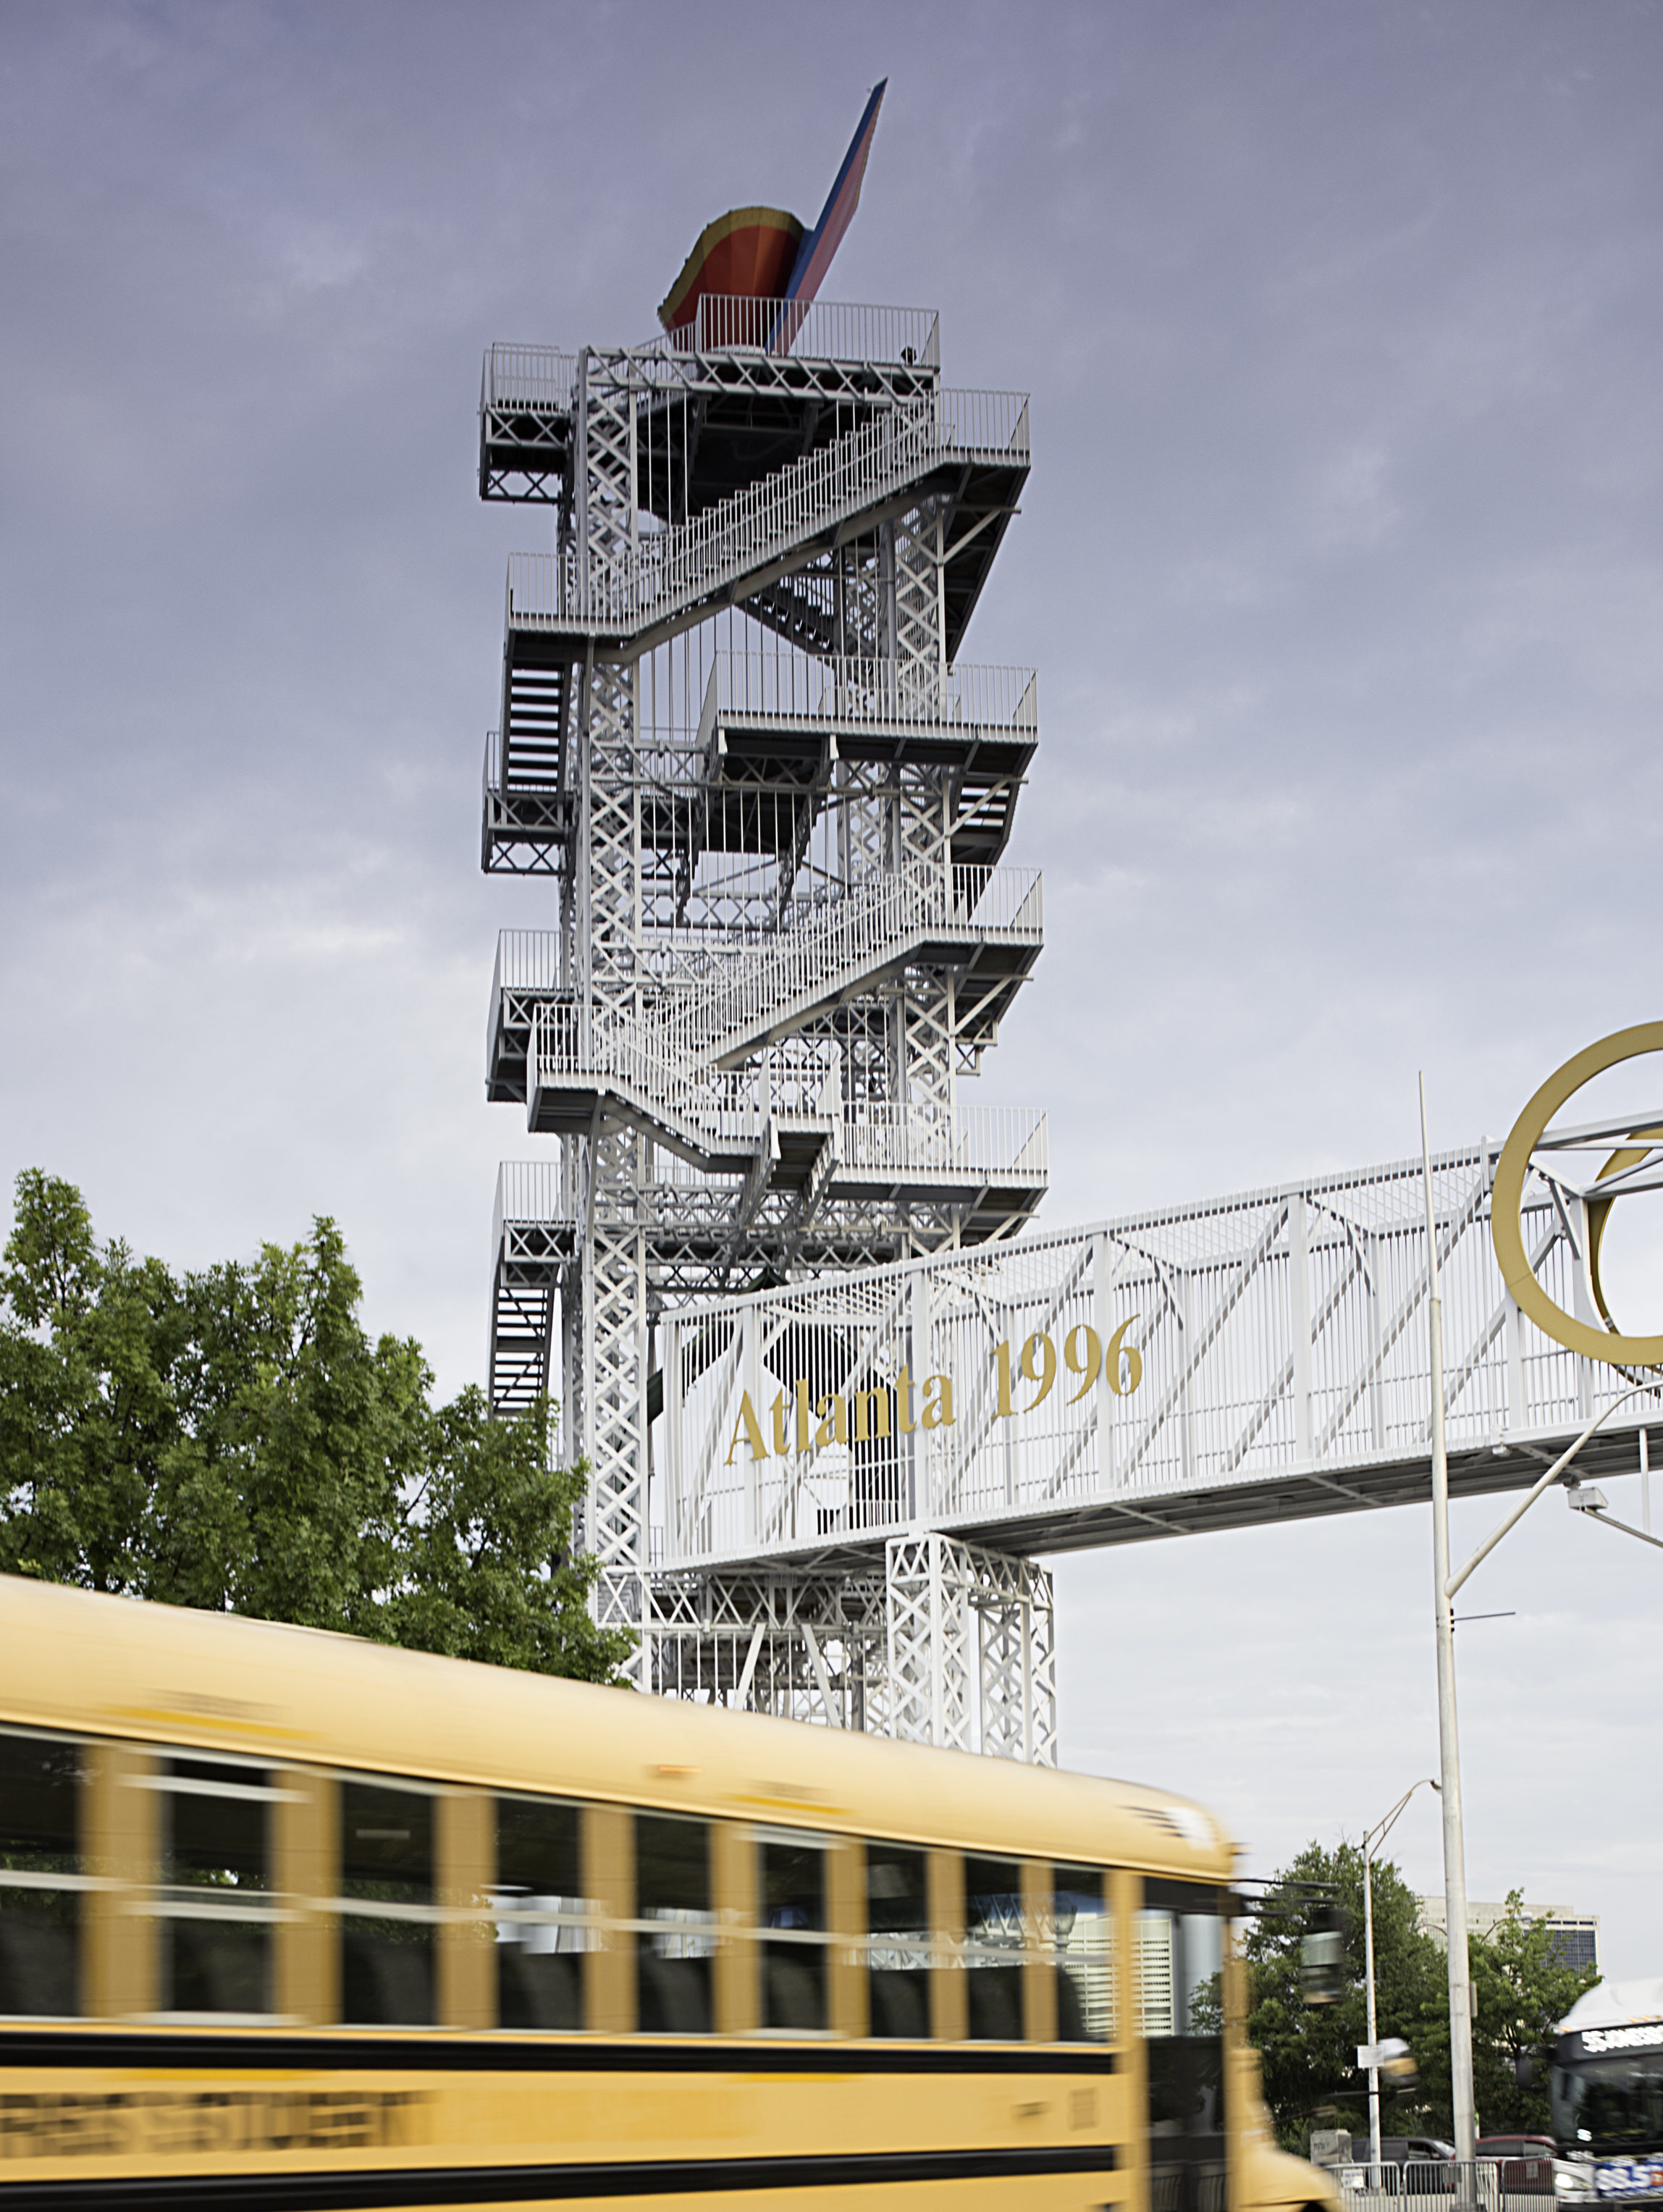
1576	1934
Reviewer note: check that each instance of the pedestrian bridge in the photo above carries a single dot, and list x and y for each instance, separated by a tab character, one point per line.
1250	1359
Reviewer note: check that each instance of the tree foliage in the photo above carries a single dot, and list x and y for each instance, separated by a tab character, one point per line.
233	1440
1308	2052
1520	1992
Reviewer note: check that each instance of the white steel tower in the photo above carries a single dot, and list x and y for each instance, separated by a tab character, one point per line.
737	734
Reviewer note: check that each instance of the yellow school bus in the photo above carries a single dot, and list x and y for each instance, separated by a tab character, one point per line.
287	1921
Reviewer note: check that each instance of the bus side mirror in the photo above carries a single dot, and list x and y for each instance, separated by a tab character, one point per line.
1526	2071
1398	2064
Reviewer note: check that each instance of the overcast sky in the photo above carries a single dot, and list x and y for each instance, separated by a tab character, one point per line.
1342	562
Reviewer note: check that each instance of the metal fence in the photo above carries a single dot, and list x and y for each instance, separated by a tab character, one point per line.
1481	2185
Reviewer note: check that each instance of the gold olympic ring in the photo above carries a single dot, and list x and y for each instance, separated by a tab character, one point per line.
1507	1201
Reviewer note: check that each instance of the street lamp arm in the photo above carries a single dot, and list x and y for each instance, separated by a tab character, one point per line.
1606	1521
1374	1837
1455	1581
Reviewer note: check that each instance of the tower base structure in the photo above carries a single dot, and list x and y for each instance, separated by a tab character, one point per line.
950	1645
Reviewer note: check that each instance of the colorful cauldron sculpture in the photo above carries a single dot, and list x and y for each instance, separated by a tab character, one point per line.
764	253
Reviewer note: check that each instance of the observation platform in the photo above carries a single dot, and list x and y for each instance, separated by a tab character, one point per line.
778	383
763	762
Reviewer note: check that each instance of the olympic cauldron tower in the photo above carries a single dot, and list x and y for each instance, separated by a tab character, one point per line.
736	737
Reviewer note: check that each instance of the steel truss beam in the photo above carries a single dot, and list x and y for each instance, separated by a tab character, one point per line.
949	1645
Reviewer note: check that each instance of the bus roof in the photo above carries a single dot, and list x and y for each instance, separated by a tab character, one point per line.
88	1664
1615	2005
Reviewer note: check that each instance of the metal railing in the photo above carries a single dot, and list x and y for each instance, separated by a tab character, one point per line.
526	1190
636	1053
868	927
746	989
643	1056
819	329
989	423
544	379
997	1140
535	377
667	569
1004	901
526	960
798	687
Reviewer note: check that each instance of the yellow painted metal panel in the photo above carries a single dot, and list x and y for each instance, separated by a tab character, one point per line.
467	1936
306	1848
120	1829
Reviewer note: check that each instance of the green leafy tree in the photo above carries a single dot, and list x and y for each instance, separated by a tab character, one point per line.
488	1502
233	1440
1521	1992
1308	2052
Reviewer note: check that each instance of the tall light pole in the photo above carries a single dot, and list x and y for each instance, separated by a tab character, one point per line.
1449	1755
1372	1837
1445	1586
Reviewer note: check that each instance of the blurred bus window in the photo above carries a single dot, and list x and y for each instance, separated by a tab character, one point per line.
899	1947
675	1933
543	1923
1082	1934
1179	1975
387	1888
215	1898
40	1875
793	1881
994	1948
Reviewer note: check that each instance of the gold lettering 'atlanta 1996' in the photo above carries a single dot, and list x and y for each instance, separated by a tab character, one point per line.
796	1421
